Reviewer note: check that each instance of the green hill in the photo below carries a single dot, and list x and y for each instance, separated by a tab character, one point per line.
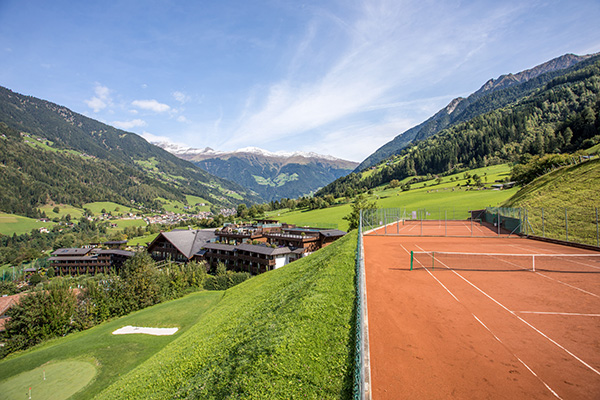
576	186
50	154
563	204
288	333
561	116
493	95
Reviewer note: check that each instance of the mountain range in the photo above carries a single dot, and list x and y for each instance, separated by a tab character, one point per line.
494	94
272	176
50	154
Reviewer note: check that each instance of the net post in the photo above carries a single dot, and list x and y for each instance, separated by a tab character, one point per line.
471	225
446	222
412	255
533	262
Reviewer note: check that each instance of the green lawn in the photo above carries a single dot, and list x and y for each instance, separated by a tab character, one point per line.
125	223
284	334
114	355
142	240
64	209
428	195
11	224
97	207
52	381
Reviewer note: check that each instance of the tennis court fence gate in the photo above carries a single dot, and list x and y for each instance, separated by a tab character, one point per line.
573	224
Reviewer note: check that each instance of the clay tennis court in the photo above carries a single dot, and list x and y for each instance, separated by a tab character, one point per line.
478	331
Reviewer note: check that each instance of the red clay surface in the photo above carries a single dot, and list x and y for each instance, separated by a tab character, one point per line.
438	228
471	334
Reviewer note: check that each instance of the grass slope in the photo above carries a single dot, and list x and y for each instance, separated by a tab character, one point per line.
114	355
573	186
427	194
286	334
11	224
562	204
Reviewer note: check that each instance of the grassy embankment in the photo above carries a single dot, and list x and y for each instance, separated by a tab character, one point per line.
574	189
284	334
428	194
108	356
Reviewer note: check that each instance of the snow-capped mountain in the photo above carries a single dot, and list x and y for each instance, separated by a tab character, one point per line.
273	175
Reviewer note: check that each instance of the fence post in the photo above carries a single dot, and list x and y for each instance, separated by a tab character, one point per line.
384	221
498	222
567	223
597	236
446	222
543	226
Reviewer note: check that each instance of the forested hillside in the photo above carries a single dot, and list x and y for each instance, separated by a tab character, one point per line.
51	154
493	95
275	179
561	116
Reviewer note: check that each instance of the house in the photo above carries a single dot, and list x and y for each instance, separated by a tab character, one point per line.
255	248
6	302
251	258
179	245
76	261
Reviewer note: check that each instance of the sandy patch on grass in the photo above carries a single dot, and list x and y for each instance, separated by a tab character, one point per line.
148	331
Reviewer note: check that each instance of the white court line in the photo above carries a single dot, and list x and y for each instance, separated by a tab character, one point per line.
566	284
521	319
558	313
488	329
554	279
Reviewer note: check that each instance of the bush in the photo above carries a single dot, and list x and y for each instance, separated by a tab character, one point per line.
224	282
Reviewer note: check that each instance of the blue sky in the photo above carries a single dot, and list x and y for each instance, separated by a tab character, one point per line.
333	77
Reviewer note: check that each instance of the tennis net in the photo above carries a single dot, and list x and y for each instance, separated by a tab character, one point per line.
500	262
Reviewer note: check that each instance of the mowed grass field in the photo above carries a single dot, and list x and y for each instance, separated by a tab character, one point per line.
111	356
11	224
423	195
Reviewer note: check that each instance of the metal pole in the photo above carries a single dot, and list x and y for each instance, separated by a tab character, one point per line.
498	221
421	224
543	226
411	259
384	222
567	223
446	222
597	236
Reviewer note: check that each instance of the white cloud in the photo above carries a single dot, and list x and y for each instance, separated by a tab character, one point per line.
151	105
181	97
382	56
182	118
101	100
129	124
150	138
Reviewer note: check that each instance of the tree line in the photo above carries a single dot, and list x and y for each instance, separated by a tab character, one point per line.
57	309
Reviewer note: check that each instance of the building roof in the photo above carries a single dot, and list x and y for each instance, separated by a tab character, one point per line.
123	253
188	242
253	248
71	251
73	258
332	233
218	246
